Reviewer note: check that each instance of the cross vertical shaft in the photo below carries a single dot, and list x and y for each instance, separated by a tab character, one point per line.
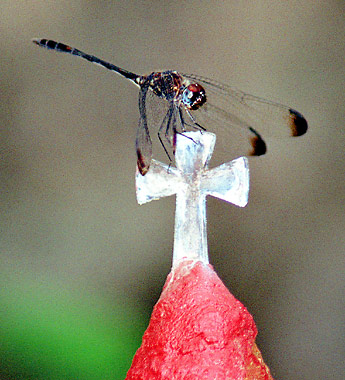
190	239
192	157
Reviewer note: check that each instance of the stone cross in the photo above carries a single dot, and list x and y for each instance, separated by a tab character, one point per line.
192	181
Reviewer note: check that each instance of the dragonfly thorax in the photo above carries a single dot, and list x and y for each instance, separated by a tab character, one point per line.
166	84
170	85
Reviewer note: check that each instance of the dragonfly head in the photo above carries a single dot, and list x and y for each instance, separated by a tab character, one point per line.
193	96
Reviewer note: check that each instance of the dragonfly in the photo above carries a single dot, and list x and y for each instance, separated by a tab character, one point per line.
196	102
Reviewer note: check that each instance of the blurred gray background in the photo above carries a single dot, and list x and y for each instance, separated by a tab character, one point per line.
68	205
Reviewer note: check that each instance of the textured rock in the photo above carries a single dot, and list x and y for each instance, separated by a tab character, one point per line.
198	330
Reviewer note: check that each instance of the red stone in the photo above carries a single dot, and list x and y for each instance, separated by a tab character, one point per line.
198	330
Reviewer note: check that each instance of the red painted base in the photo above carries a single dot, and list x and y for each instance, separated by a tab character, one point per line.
198	330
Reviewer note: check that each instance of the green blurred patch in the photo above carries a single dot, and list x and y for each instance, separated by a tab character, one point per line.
48	331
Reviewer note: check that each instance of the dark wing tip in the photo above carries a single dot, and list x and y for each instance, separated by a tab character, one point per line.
257	143
298	123
142	166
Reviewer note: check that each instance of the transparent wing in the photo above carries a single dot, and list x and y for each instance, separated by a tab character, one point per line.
143	142
249	117
161	121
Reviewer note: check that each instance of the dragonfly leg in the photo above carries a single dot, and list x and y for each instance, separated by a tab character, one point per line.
182	121
196	125
183	128
166	125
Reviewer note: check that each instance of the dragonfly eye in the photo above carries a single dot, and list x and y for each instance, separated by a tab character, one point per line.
193	96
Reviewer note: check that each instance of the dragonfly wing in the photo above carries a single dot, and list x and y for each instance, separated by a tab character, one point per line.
143	141
247	115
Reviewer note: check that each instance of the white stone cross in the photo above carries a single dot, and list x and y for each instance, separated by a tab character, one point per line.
192	181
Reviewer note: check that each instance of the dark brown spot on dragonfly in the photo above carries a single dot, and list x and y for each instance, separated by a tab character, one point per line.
142	166
298	123
257	143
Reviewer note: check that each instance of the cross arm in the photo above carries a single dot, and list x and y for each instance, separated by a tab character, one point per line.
160	181
229	181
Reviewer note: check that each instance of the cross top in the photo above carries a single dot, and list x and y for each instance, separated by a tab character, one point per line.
192	181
